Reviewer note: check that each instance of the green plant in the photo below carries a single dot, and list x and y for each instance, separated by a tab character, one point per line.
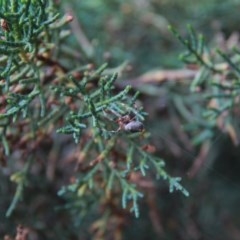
214	89
110	159
29	33
40	96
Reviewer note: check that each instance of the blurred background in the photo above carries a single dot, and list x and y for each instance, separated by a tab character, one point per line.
133	37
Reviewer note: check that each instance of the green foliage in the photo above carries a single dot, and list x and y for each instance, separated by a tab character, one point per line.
28	35
216	86
84	151
111	154
39	96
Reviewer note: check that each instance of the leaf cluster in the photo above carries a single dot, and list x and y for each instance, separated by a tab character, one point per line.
215	86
